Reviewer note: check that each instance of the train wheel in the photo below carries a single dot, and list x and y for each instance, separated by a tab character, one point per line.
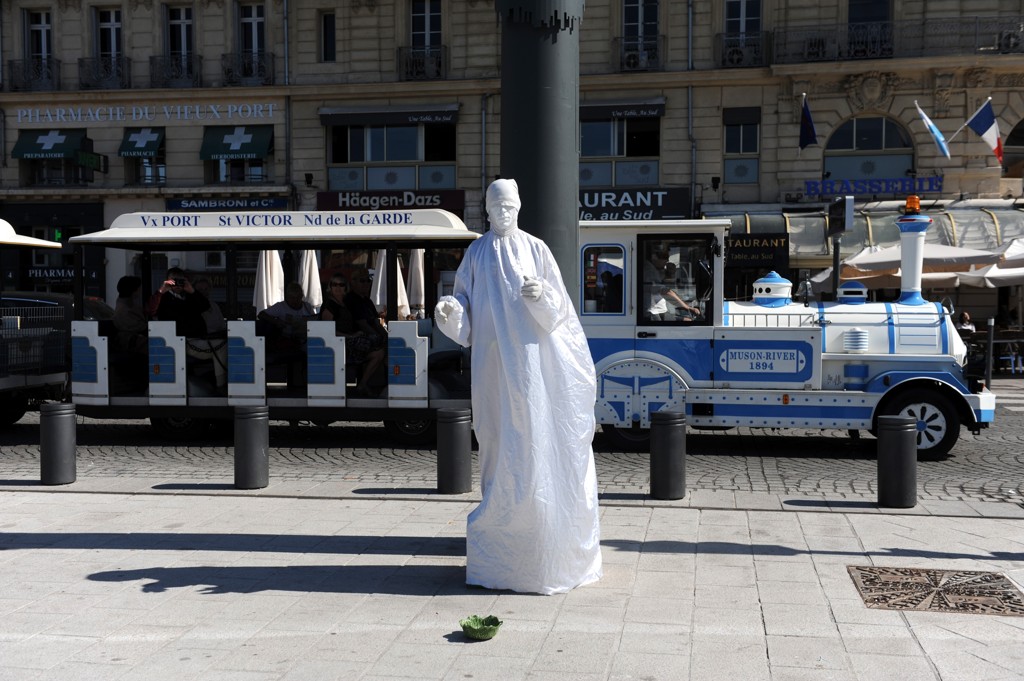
180	428
938	424
414	432
635	439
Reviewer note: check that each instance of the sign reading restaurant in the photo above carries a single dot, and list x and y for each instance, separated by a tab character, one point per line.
149	113
649	203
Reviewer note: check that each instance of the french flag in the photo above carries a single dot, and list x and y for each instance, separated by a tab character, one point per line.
984	123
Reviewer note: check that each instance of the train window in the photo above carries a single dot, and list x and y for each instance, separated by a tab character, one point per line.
675	283
602	280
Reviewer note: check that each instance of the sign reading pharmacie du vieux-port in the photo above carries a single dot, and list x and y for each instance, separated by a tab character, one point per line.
148	113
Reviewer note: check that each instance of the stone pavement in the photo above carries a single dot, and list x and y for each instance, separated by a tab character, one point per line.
197	586
143	574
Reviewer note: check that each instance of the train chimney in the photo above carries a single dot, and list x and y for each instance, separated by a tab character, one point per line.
912	226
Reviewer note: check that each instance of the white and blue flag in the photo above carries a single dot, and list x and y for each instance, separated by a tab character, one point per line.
940	141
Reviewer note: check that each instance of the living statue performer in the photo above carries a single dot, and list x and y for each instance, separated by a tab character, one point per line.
536	529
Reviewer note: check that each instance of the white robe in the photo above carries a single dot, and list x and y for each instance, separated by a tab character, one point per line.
536	529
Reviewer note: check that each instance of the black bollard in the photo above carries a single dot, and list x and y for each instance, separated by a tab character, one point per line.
668	455
454	442
252	444
58	444
897	461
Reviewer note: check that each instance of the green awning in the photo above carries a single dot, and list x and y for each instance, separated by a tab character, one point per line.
141	142
232	142
48	143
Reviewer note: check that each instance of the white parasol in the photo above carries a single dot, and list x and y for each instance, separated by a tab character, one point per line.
379	290
417	299
937	258
309	278
269	288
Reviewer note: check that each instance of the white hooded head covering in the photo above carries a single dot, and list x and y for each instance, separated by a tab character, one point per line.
502	203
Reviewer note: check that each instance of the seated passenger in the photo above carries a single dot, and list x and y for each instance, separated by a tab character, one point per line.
364	311
214	318
359	347
177	301
287	320
130	318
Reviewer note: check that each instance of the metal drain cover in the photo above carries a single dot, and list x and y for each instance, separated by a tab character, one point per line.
960	591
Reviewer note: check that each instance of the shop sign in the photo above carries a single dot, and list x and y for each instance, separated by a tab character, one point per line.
148	113
234	203
768	251
878	185
51	273
453	200
651	203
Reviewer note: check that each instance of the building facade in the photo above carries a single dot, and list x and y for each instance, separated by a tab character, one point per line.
685	109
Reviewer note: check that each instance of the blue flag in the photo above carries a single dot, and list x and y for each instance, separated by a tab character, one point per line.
940	141
807	134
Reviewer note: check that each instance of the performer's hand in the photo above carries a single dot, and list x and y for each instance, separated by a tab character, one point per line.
443	310
532	288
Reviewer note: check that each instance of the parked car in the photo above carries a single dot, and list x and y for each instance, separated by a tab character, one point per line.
34	348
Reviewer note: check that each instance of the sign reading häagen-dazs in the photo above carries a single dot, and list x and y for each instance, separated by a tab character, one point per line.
766	251
452	200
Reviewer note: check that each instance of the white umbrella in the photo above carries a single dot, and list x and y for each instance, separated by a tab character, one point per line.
269	288
379	290
993	276
309	278
9	237
822	281
417	299
1013	254
937	258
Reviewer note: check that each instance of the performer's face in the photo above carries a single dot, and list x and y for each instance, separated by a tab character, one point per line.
503	216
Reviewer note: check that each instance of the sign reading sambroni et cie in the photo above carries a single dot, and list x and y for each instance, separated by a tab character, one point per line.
149	113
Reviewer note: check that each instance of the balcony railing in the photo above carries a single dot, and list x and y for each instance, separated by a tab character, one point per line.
248	68
176	70
423	63
742	50
34	74
639	54
105	73
901	39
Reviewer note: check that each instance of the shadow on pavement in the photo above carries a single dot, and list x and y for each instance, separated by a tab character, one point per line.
195	486
398	490
258	543
824	503
405	580
735	548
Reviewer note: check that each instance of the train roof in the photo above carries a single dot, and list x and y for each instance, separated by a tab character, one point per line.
694	226
9	237
277	229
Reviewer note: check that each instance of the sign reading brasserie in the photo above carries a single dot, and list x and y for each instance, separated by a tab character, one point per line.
879	185
148	113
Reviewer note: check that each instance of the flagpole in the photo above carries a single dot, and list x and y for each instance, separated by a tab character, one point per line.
803	103
969	119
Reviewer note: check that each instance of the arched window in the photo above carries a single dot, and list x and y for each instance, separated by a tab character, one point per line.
869	147
1013	152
